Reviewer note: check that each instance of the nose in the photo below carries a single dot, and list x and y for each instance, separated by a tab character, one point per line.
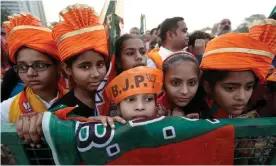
31	72
184	89
241	95
94	73
140	106
139	56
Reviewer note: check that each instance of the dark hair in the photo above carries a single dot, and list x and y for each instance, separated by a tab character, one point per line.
197	35
179	56
118	48
10	80
213	76
151	31
170	24
70	61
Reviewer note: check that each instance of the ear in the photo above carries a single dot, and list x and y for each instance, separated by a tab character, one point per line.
169	35
66	69
207	87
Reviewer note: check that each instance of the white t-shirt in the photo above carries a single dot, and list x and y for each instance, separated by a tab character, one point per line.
163	52
5	107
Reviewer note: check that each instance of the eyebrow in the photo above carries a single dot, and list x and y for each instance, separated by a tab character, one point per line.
237	84
38	61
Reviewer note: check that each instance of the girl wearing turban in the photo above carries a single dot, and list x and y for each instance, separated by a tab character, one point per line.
233	64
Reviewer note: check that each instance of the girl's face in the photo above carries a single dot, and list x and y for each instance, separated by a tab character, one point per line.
181	82
133	54
36	70
233	93
88	70
137	106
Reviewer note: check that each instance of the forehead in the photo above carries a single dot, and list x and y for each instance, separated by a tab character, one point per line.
239	77
182	69
29	55
133	43
90	56
181	25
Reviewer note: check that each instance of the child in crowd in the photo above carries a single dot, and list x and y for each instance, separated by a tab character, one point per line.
35	55
134	92
232	66
181	82
83	46
130	52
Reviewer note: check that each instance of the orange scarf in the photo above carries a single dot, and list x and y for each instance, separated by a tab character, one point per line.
27	102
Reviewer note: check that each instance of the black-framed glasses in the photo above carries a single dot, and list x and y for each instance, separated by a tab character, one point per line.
36	66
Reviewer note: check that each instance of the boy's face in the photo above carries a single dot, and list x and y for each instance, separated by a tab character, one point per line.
138	106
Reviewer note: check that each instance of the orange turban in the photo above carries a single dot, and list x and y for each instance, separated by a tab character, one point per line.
25	30
80	31
134	81
239	52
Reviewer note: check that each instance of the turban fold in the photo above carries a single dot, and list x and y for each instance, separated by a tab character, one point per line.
240	52
80	31
24	30
138	80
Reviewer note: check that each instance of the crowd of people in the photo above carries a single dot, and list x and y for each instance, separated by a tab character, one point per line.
166	72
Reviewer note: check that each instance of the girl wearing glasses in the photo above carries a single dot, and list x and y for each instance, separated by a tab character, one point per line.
34	53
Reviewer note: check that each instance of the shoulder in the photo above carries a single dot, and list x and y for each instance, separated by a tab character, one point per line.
68	100
5	108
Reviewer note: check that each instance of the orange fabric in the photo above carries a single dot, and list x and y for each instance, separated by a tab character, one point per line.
77	18
272	77
156	58
137	80
260	37
63	115
20	34
213	148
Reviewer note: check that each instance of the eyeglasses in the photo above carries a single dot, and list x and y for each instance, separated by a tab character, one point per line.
36	66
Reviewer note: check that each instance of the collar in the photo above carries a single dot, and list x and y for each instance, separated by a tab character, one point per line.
164	53
48	105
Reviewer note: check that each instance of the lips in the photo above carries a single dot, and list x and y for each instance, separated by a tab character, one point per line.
95	83
239	106
184	99
35	82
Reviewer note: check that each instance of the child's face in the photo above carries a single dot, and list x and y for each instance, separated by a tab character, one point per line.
88	70
181	82
232	94
43	73
137	106
133	54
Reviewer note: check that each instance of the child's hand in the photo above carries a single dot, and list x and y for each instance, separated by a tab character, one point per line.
29	128
109	120
192	116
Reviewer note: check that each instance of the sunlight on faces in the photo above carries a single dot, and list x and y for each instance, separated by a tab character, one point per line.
133	54
88	70
36	80
233	93
181	82
137	106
